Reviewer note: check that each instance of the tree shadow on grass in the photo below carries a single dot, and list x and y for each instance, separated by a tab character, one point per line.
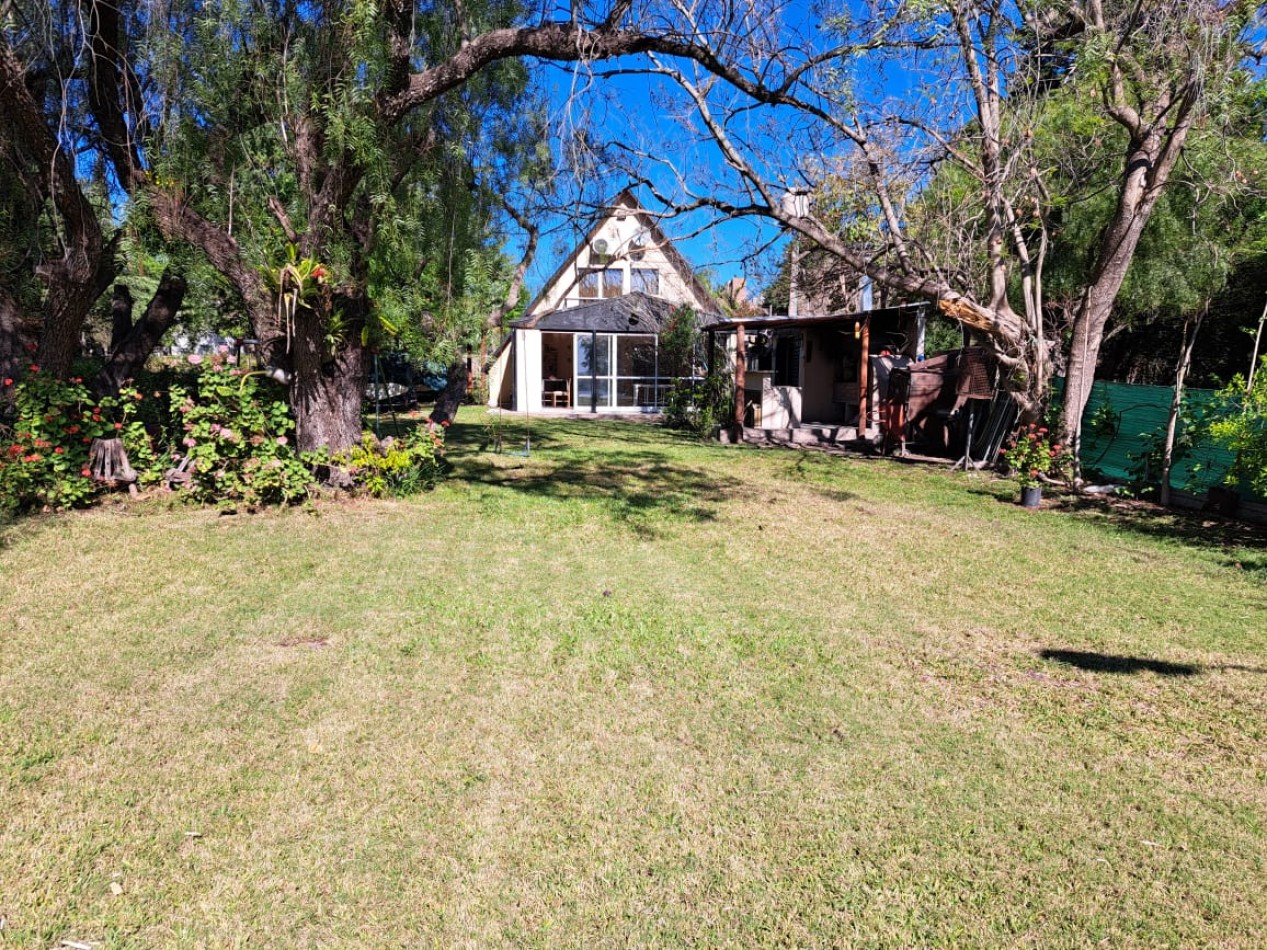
1112	663
1238	544
1129	665
631	474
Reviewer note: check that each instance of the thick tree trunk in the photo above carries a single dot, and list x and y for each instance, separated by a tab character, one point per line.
327	389
120	316
1147	165
11	349
129	353
450	398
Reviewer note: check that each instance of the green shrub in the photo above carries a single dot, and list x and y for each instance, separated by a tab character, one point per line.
700	406
1238	420
234	433
395	468
45	460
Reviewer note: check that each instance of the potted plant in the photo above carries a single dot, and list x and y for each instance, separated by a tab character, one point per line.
1031	455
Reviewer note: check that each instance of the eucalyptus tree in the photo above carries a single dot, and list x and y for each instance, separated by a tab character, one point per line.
912	127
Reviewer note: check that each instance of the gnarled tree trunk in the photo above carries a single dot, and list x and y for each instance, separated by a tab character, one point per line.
129	353
327	384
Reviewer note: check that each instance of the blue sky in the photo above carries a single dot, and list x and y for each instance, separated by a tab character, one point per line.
622	106
625	106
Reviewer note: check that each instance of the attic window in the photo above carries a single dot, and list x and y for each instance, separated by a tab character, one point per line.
646	280
602	283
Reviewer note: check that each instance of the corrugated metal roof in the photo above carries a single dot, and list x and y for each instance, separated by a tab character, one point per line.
631	313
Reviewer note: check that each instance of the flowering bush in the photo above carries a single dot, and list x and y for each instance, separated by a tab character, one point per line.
234	437
1031	454
395	467
44	461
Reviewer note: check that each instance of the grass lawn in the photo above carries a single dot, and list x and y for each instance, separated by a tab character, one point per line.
634	691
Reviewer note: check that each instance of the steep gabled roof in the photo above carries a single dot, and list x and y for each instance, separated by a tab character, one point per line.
626	200
630	313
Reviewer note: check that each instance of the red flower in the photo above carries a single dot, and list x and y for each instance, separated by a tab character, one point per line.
446	423
58	451
76	379
15	449
85	471
87	439
34	368
71	430
8	381
118	425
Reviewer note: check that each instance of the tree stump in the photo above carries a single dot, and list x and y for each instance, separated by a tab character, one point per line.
181	475
108	462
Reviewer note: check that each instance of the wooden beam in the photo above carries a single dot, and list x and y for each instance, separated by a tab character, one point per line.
741	363
864	378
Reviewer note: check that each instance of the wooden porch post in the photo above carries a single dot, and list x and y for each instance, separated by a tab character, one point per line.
741	364
864	379
712	353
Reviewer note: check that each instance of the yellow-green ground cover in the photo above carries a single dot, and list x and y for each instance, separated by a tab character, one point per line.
634	691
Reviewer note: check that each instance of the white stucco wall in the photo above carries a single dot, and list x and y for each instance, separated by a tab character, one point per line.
619	232
525	350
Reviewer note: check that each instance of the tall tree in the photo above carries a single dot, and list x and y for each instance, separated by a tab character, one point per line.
335	117
949	93
59	239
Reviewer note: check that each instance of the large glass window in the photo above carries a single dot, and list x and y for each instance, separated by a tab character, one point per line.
635	356
617	371
646	280
605	283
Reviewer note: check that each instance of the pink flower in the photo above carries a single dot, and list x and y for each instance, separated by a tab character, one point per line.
188	442
194	359
58	451
282	440
222	349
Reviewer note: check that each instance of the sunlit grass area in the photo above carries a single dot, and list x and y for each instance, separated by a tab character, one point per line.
630	690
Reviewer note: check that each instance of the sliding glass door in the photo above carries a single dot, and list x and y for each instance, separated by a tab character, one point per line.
594	385
617	371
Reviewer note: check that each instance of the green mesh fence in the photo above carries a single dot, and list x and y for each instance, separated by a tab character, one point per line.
1124	422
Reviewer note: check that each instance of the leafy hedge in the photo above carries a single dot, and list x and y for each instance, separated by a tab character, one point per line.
226	434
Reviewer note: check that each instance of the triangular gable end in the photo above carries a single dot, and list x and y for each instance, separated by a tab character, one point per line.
633	241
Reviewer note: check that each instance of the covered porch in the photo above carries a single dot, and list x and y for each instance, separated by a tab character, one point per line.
818	379
604	357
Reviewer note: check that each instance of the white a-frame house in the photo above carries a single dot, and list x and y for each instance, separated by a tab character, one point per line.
591	341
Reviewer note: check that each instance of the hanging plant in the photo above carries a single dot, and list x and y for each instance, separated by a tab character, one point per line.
297	284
